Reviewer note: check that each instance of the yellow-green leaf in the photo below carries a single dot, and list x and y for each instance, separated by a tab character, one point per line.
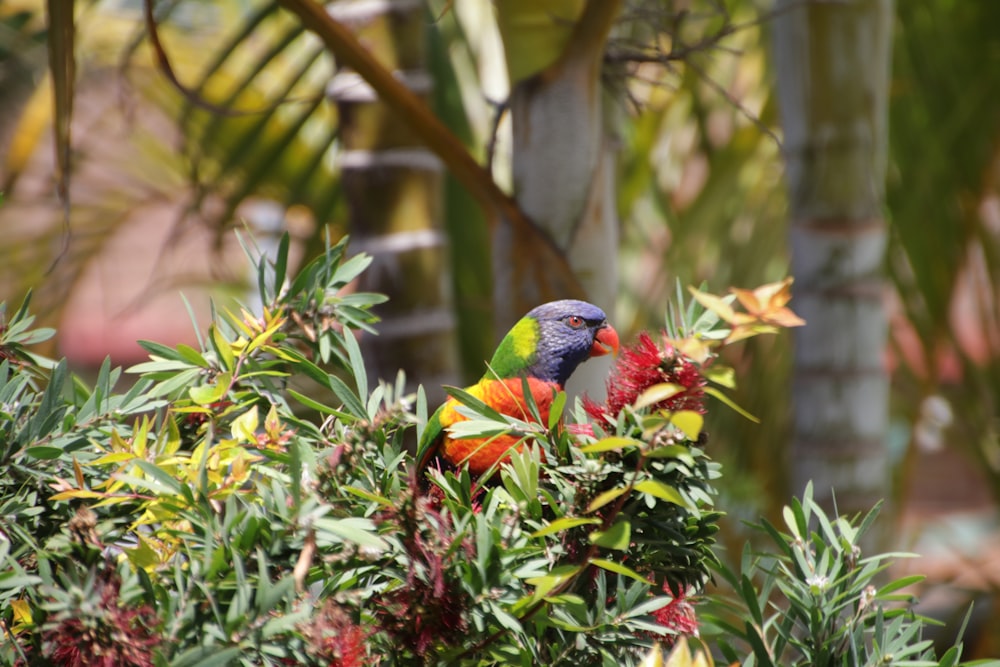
712	391
76	494
714	303
223	348
617	537
611	444
546	583
720	374
606	497
689	422
368	495
564	523
657	393
114	457
660	490
22	613
671	452
655	657
618	568
244	428
207	394
140	437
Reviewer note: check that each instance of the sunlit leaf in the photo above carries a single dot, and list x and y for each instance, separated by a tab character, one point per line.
211	393
712	391
617	537
556	577
714	303
612	443
689	422
657	394
655	487
606	497
565	523
244	427
618	568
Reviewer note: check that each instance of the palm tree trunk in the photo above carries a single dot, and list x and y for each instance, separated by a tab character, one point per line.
833	63
393	188
563	156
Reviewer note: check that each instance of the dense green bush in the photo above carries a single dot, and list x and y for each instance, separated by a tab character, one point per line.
254	502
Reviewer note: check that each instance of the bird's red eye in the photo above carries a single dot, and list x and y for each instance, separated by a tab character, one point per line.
575	321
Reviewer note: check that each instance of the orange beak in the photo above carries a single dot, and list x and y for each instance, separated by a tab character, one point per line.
606	341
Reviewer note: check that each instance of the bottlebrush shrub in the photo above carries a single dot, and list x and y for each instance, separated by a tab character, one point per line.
252	501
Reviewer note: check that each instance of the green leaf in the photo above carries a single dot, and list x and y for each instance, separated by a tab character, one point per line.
207	657
160	366
281	263
357	364
556	577
160	475
352	268
658	489
618	568
468	400
18	580
44	452
556	409
617	537
211	393
672	452
160	350
313	404
565	523
222	347
612	443
357	530
724	376
192	355
689	422
602	499
903	582
367	495
244	427
712	391
657	393
344	393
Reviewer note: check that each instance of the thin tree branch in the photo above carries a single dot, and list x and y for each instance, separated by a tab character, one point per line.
543	255
62	66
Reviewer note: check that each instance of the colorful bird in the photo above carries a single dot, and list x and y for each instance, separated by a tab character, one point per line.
543	348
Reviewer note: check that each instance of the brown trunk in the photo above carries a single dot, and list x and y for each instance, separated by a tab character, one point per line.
392	185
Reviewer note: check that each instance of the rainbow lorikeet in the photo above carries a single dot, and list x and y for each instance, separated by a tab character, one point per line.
543	348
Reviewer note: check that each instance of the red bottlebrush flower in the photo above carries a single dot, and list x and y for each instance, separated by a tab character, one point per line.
334	639
114	635
643	365
677	615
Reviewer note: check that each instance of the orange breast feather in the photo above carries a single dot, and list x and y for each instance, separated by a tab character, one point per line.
506	397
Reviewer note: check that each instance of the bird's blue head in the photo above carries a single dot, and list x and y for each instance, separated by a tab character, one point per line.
552	340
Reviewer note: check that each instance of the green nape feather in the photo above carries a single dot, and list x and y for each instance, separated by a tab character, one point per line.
517	351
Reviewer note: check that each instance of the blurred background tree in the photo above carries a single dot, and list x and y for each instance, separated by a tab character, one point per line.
832	62
676	157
